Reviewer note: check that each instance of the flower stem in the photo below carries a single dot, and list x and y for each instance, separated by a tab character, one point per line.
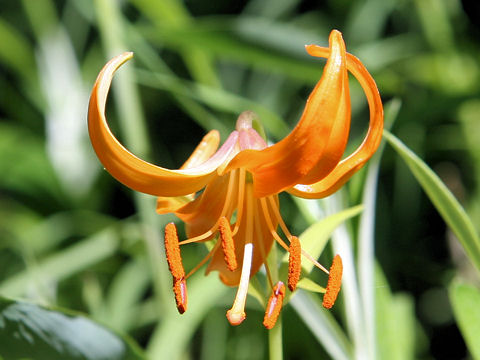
275	340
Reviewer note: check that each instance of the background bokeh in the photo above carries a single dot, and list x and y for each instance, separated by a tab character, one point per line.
73	237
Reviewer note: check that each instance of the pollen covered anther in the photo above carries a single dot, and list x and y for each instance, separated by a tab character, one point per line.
274	305
180	291
334	282
294	263
227	243
172	250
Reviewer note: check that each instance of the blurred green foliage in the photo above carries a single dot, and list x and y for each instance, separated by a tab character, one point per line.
71	236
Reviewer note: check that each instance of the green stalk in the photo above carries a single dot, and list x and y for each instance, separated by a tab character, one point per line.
275	341
132	126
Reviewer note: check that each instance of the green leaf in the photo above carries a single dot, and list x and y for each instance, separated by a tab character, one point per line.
30	331
215	98
126	290
395	321
322	325
224	44
443	200
63	264
27	168
174	333
255	289
16	52
466	307
315	238
310	285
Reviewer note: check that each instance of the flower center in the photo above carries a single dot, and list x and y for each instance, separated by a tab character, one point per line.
242	248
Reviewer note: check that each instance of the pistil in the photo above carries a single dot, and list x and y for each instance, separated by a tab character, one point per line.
236	314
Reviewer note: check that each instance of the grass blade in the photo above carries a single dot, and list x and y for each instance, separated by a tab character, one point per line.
443	200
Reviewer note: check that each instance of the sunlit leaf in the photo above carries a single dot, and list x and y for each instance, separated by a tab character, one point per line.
33	332
224	44
395	321
466	307
315	238
310	285
173	333
444	201
62	264
323	326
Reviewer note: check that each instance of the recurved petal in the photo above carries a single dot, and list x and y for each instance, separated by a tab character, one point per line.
129	169
347	167
201	214
170	204
204	150
316	144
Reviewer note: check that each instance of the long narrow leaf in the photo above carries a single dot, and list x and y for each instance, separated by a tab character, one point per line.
64	263
443	200
323	325
466	307
315	238
366	236
171	337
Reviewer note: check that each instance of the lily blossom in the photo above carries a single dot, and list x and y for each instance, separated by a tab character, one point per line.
241	180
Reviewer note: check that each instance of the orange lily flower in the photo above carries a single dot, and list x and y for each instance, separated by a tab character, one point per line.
241	180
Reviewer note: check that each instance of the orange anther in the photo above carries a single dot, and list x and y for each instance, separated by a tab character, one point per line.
180	291
227	243
294	263
172	250
334	282
274	305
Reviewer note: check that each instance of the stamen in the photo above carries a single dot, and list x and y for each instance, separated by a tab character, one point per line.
241	195
277	237
227	243
204	260
294	263
180	291
278	216
172	251
268	220
226	204
200	237
334	282
259	235
315	262
236	314
274	305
